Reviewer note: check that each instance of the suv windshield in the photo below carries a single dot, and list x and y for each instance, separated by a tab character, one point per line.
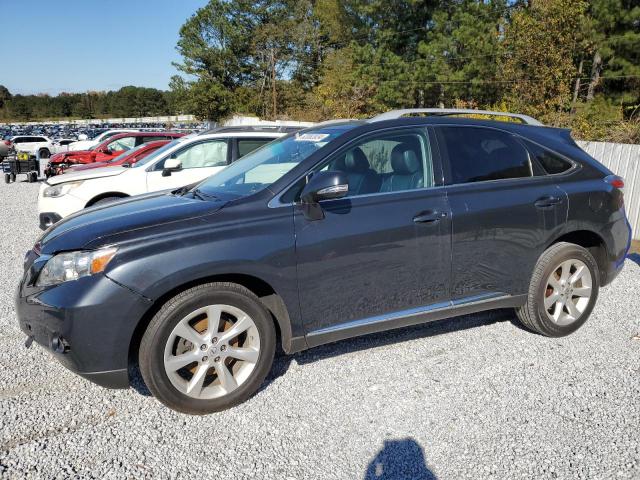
126	153
269	163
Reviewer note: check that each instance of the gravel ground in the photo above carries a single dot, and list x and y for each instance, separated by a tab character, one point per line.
470	397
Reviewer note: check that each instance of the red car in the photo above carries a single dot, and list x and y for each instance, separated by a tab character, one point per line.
126	158
107	150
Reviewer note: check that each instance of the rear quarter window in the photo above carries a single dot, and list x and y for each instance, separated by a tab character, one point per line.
549	161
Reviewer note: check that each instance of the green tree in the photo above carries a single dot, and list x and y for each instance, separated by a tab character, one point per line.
543	42
5	95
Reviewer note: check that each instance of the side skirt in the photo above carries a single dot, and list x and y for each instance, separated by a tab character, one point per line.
415	316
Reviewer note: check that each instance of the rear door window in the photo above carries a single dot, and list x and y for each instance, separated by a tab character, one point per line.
477	154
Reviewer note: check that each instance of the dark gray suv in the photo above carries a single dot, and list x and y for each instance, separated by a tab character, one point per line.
342	229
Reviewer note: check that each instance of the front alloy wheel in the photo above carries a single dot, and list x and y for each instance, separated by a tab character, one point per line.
212	351
208	348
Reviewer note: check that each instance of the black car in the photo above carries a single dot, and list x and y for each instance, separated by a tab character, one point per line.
338	230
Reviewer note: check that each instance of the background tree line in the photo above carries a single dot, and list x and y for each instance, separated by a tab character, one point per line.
126	102
568	62
571	63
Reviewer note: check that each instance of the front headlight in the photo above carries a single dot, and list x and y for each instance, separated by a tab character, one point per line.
67	266
60	190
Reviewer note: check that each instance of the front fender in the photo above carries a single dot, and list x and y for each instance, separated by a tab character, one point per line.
232	242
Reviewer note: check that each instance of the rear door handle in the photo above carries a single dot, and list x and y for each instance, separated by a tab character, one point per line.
546	202
429	217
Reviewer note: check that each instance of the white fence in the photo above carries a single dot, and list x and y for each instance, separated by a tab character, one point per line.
623	160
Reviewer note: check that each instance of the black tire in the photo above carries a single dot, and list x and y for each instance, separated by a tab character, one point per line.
7	178
34	176
13	177
44	153
105	200
152	346
533	314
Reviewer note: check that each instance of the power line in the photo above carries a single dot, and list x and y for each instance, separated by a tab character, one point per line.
494	81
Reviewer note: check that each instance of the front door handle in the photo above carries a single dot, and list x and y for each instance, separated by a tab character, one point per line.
548	201
429	217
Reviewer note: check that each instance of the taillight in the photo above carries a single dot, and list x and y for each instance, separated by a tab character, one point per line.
7	142
615	181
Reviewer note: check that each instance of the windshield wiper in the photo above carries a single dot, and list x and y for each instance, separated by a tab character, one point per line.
181	191
197	193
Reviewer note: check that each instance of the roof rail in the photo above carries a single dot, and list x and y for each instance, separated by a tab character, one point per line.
253	128
393	114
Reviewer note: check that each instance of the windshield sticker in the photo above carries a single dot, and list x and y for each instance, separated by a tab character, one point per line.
311	137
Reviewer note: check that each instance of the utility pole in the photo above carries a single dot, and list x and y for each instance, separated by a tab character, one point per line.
273	83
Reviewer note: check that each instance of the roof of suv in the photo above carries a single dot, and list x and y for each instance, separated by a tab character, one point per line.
253	129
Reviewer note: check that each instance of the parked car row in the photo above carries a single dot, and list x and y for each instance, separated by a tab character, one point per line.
48	139
109	148
185	160
234	243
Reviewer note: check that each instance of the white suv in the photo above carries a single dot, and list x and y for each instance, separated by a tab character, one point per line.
33	144
181	162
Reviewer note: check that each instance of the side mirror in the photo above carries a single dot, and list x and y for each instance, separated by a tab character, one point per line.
325	186
171	165
322	186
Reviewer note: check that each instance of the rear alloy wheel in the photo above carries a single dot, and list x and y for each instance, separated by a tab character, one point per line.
563	291
568	292
208	349
44	153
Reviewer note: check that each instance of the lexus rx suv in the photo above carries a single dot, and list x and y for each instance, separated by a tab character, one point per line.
338	230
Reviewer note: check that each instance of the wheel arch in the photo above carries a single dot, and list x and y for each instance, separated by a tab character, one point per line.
97	198
591	241
265	292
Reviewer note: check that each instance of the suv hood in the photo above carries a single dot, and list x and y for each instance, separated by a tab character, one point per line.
110	223
74	176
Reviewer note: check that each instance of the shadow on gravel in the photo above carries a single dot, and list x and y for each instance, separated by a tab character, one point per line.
282	361
399	460
634	257
136	381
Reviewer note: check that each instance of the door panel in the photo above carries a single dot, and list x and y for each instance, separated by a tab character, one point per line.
502	216
498	234
386	247
368	257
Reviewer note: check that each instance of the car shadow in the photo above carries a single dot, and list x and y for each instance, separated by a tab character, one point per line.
399	460
282	361
440	327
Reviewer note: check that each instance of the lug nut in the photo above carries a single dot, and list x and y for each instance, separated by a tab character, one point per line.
203	347
205	358
223	348
214	340
217	359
